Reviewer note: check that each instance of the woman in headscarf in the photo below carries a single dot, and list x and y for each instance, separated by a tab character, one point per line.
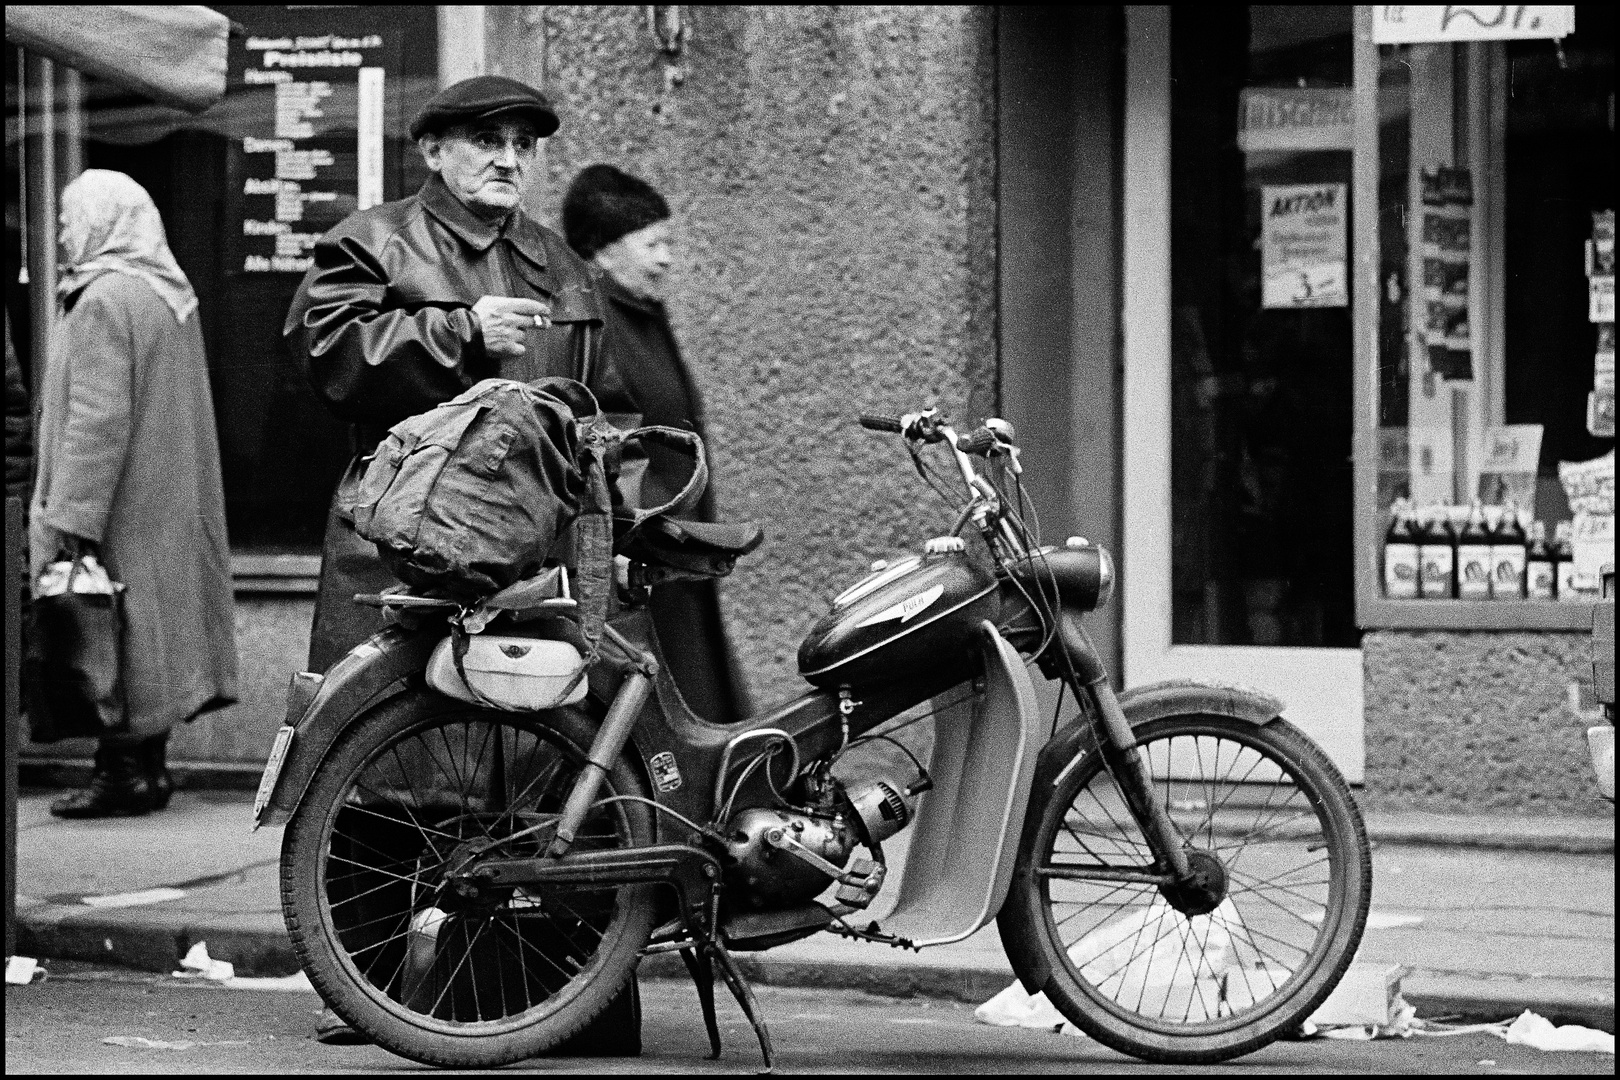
620	224
128	466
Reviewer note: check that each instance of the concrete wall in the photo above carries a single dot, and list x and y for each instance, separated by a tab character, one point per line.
831	171
1477	722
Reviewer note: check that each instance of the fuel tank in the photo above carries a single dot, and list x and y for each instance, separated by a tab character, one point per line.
918	613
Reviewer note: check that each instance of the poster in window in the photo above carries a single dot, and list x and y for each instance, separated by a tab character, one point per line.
1447	223
1600	277
312	142
1302	246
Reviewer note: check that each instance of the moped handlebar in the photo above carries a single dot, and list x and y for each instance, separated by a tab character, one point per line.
880	422
928	427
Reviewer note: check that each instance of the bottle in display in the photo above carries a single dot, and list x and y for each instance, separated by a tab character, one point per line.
1474	556
1508	542
1437	555
1564	561
1540	571
1401	554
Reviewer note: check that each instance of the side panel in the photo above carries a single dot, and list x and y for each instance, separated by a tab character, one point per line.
369	673
962	853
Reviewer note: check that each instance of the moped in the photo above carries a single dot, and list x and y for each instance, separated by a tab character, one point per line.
1181	871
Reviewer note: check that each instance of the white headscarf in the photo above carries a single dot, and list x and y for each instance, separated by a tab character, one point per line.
110	223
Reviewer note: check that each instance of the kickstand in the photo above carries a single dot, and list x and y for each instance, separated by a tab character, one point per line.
702	972
745	997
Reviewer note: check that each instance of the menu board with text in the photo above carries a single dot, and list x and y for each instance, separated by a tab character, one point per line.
315	109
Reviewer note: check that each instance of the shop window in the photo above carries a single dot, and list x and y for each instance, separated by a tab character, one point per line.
313	123
1261	335
1490	351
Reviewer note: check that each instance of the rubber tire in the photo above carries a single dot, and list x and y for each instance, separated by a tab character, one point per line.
1026	928
393	1028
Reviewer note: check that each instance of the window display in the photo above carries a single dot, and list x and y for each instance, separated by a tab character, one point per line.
1494	471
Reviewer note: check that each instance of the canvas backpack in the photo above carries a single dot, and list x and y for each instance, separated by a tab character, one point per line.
468	497
471	496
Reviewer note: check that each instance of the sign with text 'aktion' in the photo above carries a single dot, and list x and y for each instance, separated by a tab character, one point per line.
1404	24
1303	236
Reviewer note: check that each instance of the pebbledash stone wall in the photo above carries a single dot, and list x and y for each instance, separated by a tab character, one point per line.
1470	722
832	176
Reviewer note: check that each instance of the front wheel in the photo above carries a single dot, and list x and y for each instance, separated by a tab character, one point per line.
1225	965
433	969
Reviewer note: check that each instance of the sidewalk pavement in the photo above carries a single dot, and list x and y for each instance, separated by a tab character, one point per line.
1490	915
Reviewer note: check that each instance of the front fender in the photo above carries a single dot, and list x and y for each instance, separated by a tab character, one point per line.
370	673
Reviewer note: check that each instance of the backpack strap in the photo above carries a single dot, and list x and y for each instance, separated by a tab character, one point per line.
688	496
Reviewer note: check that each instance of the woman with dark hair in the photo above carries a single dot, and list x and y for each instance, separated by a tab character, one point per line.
620	224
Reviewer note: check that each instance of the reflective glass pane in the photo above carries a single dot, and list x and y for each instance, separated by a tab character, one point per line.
1261	130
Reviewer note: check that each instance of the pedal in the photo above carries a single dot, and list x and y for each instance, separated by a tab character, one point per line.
858	894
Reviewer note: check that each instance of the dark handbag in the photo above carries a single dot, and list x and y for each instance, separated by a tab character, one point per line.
74	664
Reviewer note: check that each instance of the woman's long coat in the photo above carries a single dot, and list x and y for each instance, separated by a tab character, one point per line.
639	348
128	456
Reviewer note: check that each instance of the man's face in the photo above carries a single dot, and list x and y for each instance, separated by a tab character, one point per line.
487	164
640	260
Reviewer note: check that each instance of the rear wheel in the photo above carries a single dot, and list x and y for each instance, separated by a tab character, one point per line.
1223	966
446	976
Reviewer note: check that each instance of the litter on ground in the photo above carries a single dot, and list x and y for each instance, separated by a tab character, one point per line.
197	964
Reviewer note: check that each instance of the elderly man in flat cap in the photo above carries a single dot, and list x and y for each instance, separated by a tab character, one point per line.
411	302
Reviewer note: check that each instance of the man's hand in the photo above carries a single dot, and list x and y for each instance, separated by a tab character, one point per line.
505	322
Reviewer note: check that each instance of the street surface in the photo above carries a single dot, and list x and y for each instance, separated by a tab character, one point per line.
59	1025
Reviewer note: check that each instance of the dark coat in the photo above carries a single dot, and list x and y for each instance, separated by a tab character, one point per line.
19	428
640	350
129	458
384	318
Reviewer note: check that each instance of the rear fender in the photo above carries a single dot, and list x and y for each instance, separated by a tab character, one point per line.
369	674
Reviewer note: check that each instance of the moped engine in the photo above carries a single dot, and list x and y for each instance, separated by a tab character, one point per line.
783	856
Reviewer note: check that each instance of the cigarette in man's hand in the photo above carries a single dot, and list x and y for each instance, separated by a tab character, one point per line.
541	321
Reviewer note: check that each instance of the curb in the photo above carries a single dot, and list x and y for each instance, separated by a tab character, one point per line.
257	944
1568	843
156	939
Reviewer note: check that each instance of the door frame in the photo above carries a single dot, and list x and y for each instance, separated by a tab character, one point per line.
1323	688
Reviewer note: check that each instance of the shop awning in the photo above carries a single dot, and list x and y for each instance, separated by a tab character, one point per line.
173	54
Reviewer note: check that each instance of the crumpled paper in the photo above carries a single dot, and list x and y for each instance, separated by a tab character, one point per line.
1015	1007
1157	975
1403	1024
199	965
22	970
1531	1029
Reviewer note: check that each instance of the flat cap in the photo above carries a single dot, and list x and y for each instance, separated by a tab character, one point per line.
481	96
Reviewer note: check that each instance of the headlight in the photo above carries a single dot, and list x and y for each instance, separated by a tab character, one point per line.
1105	577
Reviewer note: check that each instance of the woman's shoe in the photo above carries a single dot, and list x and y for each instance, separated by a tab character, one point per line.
119	787
153	754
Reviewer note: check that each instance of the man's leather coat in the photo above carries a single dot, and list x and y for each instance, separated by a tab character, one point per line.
384	317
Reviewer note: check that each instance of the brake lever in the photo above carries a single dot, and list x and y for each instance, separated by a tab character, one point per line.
922	426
